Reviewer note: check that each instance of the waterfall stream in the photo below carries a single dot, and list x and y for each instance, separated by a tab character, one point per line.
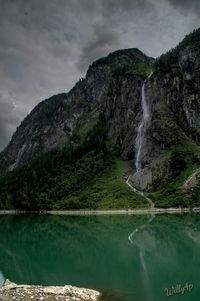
141	132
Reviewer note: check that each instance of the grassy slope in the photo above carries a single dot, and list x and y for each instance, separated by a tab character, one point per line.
111	191
107	191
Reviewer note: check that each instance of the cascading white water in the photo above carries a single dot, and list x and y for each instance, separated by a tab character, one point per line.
140	139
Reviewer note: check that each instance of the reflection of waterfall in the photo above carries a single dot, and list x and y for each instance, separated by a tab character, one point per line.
143	263
145	279
140	139
141	238
131	237
2	279
194	235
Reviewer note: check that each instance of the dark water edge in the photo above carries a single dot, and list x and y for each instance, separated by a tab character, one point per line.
105	253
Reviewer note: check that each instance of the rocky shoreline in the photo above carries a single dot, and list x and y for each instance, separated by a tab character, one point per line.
11	292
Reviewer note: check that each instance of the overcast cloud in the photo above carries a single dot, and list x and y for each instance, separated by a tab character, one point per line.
47	45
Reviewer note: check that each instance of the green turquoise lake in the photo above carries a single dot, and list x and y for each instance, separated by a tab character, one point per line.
128	258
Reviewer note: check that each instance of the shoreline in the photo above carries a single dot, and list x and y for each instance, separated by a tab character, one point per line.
103	212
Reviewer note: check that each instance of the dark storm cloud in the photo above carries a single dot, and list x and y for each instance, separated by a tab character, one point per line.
36	57
46	46
101	43
7	119
186	5
119	6
106	33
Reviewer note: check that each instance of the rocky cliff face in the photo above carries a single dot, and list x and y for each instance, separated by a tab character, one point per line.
112	86
178	92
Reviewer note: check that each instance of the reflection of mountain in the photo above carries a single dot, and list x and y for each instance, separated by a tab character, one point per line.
192	230
57	250
145	242
167	256
141	236
94	252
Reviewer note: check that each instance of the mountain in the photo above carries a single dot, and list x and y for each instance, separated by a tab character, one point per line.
56	121
73	149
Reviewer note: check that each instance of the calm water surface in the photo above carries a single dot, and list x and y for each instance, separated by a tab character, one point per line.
129	258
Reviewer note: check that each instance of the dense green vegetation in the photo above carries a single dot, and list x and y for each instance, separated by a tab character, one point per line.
169	60
140	69
75	177
143	69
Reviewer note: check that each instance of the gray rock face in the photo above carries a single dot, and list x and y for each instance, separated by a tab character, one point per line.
179	92
153	175
175	118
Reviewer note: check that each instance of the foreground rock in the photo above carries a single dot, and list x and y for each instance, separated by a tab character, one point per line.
11	291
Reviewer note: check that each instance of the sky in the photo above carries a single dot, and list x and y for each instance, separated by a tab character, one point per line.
47	45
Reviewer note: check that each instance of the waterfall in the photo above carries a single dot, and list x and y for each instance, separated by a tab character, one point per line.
141	132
